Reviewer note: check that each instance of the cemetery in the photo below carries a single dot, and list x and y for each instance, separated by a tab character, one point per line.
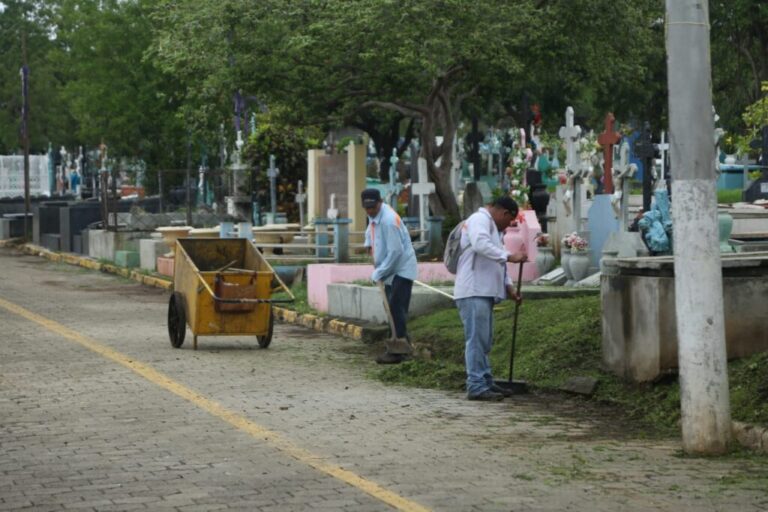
234	181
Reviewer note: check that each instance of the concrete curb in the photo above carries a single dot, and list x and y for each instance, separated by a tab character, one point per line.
366	334
749	436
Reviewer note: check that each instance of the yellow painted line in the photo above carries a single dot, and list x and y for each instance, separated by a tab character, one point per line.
255	430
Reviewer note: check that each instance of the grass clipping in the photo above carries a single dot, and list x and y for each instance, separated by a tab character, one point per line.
558	339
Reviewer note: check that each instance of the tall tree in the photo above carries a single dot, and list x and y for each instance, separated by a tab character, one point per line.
49	119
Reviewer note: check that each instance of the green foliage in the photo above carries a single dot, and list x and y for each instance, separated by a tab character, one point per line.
755	117
729	196
739	52
558	339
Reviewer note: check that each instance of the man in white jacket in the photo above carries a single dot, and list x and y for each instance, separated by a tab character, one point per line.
481	282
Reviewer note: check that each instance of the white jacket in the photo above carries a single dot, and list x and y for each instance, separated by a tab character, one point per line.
482	269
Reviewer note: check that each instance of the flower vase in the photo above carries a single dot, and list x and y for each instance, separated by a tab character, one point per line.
725	226
579	265
545	260
565	257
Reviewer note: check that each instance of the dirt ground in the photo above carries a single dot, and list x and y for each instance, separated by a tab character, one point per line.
99	412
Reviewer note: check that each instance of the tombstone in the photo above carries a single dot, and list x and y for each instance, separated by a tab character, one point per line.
340	174
73	220
607	139
393	188
300	199
272	174
645	150
46	220
238	203
423	189
332	212
572	198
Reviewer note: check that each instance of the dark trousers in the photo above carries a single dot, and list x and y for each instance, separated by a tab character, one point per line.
399	298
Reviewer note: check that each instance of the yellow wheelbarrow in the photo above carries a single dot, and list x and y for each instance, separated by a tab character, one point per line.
222	287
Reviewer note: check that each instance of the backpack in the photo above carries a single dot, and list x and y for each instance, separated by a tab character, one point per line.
453	249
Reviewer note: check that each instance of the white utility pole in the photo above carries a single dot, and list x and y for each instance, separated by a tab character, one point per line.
704	399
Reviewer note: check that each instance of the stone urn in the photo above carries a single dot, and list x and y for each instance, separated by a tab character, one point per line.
171	234
545	260
579	264
565	258
725	226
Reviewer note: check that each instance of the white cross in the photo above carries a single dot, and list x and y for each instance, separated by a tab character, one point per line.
621	175
300	198
663	148
393	189
332	212
570	133
272	174
423	189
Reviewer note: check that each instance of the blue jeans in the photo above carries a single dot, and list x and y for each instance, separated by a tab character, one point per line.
477	316
399	298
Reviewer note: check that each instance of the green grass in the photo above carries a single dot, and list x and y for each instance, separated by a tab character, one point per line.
729	196
558	339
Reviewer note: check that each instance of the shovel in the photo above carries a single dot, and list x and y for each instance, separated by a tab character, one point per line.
395	345
516	387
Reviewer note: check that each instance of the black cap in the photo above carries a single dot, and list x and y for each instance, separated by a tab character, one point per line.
371	197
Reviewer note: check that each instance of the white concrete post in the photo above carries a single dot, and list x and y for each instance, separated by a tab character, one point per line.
704	399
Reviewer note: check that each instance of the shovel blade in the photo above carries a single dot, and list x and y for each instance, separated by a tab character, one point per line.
516	387
399	346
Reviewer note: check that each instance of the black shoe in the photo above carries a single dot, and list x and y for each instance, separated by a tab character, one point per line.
487	396
503	391
387	358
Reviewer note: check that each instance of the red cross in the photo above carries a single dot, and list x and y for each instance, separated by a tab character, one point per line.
607	139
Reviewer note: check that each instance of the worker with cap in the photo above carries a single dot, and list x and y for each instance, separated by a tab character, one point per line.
394	262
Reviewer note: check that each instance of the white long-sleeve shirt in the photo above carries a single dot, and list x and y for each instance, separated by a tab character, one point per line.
482	269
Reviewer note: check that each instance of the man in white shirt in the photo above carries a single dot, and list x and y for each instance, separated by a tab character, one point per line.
481	282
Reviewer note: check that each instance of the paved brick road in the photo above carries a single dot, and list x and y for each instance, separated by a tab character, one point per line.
295	427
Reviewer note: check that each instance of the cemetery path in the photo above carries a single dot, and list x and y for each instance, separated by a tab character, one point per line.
98	412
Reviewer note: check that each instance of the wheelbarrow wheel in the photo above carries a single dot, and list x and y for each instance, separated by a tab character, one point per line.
266	339
177	320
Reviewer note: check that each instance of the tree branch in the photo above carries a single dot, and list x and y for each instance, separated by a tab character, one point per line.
410	110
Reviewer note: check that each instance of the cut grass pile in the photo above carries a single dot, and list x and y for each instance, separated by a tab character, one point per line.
558	339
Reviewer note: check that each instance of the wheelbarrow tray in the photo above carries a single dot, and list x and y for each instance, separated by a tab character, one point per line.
198	262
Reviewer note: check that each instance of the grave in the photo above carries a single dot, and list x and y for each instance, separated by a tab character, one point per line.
342	175
12	176
638	312
758	189
523	237
423	189
320	275
366	303
750	242
565	221
12	225
149	250
601	224
73	219
46	220
105	244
